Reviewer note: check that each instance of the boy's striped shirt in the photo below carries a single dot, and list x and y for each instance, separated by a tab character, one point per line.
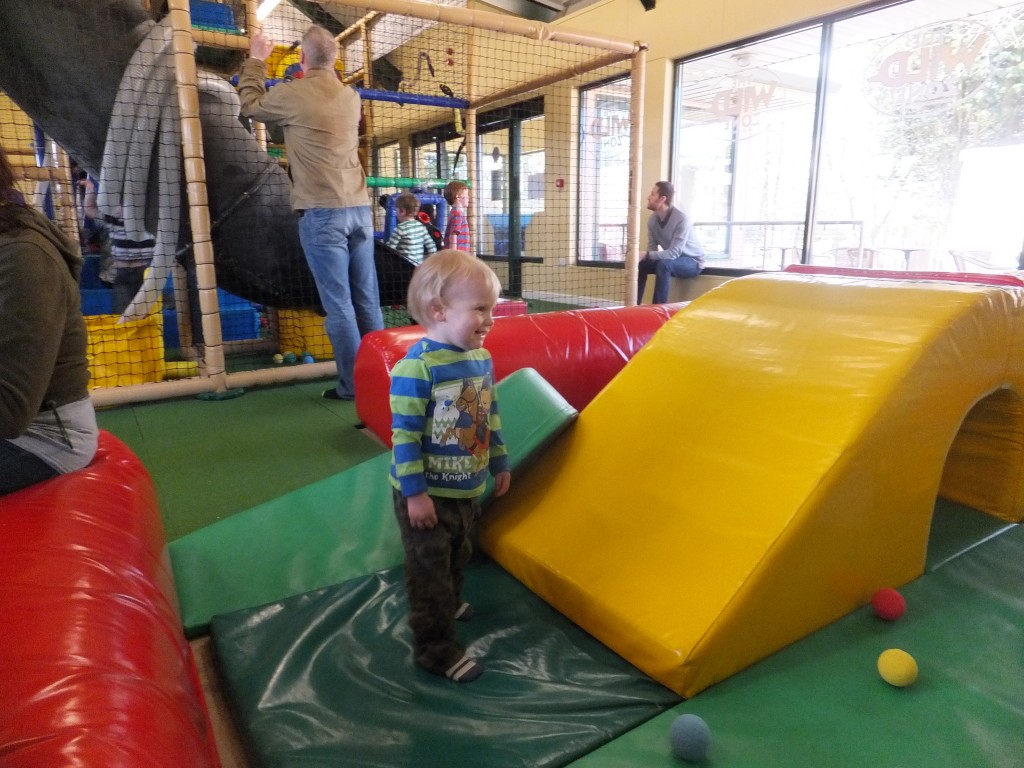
446	428
412	239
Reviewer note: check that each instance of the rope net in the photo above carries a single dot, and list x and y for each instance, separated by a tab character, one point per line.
194	272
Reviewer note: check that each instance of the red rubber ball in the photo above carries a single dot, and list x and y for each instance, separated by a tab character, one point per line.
888	604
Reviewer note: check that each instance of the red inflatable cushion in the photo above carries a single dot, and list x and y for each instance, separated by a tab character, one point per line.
96	668
576	351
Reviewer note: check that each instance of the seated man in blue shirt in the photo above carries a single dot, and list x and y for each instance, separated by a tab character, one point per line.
671	230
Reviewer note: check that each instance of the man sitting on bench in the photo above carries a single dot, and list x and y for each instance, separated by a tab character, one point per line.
671	230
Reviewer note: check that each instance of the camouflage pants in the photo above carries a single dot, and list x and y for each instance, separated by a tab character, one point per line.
434	559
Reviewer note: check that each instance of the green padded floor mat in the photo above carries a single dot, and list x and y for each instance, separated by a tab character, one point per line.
334	529
957	529
327	679
821	701
212	459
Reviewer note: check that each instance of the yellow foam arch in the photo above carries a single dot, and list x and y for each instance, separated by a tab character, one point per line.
766	462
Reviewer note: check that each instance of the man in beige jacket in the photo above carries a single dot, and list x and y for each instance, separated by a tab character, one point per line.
320	118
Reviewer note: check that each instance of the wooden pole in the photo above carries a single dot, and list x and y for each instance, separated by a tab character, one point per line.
195	180
636	147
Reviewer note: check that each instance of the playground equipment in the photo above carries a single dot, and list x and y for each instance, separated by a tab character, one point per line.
801	470
767	462
97	670
141	89
794	475
578	352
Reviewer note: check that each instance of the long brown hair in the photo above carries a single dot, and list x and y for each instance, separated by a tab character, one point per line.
6	172
10	198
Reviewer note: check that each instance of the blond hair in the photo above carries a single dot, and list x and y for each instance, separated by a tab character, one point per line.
432	280
452	191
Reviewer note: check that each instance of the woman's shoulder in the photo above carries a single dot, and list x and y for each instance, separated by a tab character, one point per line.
23	247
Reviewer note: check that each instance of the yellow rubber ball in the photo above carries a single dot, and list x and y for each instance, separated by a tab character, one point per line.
897	667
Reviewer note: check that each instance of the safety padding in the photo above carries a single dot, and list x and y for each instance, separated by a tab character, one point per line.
326	679
96	669
769	460
576	351
893	274
336	529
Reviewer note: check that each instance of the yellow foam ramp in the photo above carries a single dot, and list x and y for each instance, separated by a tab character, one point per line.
766	462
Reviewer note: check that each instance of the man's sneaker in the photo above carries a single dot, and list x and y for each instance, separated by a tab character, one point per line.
332	394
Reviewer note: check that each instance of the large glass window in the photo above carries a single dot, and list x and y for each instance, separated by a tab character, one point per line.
923	138
742	148
493	200
439	154
455	158
510	186
920	125
604	171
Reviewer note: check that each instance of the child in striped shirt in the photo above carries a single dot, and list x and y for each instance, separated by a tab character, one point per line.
410	238
446	434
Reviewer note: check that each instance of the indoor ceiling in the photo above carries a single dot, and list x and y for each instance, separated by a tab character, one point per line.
538	10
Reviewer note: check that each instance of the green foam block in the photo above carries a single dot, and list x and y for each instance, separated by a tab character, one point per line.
336	529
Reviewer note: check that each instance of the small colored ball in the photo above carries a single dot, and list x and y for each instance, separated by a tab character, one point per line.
278	358
888	604
308	359
897	667
690	737
289	357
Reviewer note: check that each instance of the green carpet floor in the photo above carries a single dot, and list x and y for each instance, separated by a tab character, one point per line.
212	459
820	703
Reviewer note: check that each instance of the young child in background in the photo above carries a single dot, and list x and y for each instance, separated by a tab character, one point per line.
456	231
446	433
410	238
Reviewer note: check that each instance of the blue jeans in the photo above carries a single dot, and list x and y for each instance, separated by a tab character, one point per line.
20	469
663	270
338	243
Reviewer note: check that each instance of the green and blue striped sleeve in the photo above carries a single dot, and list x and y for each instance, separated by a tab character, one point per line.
410	396
499	461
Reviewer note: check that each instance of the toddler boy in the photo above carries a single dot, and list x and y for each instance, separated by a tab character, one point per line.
446	434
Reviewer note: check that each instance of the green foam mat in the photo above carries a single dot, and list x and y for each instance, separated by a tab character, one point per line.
334	529
821	702
209	460
327	679
957	529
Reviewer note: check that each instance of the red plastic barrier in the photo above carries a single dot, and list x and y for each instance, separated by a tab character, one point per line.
984	278
95	667
577	352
